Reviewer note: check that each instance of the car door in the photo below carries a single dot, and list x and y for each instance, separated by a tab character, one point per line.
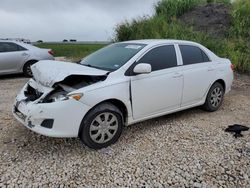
198	72
12	57
161	90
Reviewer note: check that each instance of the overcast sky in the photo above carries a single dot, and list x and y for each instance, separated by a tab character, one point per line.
55	20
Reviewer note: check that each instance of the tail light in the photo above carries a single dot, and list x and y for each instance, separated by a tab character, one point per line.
232	67
51	52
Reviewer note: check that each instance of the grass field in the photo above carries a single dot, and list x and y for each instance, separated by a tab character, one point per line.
71	51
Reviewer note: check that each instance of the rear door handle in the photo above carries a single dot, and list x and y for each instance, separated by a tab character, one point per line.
24	54
177	75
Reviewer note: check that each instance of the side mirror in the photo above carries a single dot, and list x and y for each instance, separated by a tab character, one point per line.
143	68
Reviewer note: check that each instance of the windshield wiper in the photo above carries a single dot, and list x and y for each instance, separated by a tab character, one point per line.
100	68
88	65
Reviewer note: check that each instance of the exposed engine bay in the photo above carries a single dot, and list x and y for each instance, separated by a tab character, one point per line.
60	90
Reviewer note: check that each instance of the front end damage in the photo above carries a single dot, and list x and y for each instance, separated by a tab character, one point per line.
54	110
70	84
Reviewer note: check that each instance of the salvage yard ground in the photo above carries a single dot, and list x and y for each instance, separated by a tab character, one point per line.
185	149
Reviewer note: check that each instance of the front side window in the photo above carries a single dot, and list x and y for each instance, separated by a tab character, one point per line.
10	47
113	56
192	55
160	58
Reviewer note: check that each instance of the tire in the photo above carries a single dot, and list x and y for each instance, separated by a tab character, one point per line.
27	68
102	126
214	98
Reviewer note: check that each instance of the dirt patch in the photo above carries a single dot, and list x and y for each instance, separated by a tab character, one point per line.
213	19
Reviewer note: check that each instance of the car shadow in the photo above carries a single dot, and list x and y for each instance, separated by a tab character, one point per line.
12	76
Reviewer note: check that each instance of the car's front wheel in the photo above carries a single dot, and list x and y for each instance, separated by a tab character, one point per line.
214	98
102	126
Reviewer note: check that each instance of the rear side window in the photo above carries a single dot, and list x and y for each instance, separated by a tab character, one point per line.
1	47
192	55
10	47
160	58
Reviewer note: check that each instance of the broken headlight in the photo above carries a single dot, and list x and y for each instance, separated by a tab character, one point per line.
62	96
55	96
59	97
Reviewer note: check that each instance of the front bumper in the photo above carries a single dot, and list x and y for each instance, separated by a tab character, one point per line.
66	115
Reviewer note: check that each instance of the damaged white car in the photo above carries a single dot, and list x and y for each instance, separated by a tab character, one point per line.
120	85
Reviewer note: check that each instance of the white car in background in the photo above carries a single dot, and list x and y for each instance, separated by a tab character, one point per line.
17	57
119	85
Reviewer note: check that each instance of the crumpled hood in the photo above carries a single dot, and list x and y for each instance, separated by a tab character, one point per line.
48	72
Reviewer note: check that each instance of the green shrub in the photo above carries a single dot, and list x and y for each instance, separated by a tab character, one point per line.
142	28
238	51
174	8
241	18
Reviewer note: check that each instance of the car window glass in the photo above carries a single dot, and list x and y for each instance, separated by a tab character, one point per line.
1	47
113	56
192	55
20	48
10	47
160	58
205	57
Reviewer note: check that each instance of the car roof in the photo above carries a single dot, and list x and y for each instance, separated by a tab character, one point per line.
2	40
161	41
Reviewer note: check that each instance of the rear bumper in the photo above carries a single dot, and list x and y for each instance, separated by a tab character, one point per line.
229	82
66	116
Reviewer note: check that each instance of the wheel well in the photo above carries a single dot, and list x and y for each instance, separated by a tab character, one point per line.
120	105
222	82
30	61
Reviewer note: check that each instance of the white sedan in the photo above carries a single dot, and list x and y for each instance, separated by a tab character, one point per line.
119	85
17	57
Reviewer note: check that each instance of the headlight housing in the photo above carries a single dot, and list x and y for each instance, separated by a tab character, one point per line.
62	96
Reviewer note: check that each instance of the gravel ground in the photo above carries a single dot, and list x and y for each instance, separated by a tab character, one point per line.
186	149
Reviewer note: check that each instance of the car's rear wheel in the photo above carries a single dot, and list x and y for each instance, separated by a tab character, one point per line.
102	126
214	98
27	68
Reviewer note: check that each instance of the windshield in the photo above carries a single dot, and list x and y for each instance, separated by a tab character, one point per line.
113	56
